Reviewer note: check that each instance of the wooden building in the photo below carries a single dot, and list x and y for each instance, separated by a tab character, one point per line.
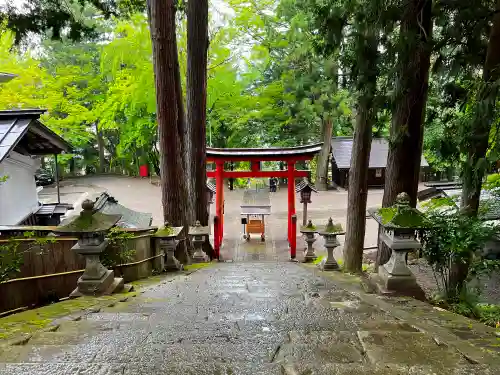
23	138
341	161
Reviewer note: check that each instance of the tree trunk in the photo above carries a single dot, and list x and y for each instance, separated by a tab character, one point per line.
405	145
473	172
322	165
360	159
173	177
196	86
100	148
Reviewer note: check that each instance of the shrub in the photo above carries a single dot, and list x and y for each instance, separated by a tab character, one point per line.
11	260
455	238
118	251
11	256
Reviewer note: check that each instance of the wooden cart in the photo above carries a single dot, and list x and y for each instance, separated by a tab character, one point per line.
255	207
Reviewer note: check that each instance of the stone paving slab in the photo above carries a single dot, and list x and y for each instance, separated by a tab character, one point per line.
240	318
362	369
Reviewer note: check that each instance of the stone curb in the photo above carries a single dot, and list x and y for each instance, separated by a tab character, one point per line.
352	284
24	338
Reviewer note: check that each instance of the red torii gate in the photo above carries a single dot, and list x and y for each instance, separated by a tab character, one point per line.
290	155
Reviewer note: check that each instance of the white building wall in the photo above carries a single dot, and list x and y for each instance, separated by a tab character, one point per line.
18	195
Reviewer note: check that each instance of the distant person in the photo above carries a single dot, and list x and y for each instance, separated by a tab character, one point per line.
272	185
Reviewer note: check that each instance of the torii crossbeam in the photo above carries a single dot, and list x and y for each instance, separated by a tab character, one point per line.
289	155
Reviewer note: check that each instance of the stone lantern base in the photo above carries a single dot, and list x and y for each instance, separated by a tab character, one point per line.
394	286
329	264
108	284
200	257
387	282
96	280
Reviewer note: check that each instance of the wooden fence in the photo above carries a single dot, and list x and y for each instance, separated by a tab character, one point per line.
50	271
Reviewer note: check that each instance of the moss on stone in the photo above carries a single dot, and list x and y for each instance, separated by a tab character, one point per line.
164	231
309	227
318	260
33	320
407	218
336	228
91	223
197	266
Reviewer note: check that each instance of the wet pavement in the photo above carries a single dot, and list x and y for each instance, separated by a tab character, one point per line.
238	318
255	314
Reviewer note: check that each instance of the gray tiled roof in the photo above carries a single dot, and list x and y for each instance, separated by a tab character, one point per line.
129	218
21	128
6	77
342	151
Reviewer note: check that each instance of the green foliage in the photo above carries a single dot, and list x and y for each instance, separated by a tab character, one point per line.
118	251
455	238
11	260
12	256
488	314
492	182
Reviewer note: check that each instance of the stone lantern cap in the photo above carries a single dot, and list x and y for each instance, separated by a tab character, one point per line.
199	230
168	231
89	221
309	228
305	185
400	215
331	228
211	187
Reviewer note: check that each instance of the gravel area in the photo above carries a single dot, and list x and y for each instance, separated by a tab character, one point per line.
490	285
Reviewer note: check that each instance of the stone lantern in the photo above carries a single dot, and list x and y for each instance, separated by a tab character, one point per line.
210	191
90	228
305	188
167	240
309	232
399	223
198	235
330	233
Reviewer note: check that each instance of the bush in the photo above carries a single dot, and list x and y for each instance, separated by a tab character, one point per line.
11	260
11	256
456	239
118	251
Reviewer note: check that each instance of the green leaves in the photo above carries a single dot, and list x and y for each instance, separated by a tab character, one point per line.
455	238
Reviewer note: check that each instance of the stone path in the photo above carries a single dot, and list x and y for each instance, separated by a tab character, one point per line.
240	318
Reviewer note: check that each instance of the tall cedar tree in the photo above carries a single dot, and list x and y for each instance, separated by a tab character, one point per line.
406	135
165	62
322	166
196	86
473	172
358	173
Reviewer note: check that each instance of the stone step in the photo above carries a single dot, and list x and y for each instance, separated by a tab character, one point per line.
147	368
387	325
382	369
308	349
